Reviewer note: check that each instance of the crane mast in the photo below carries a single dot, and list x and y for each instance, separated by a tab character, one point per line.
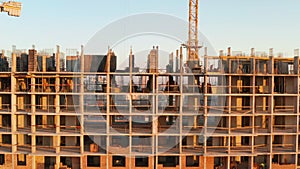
192	46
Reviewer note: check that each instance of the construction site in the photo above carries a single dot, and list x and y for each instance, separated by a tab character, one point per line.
242	112
77	111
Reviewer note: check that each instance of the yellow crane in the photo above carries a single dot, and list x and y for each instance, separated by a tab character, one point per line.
13	8
192	46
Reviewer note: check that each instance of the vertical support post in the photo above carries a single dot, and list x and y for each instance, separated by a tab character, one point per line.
57	58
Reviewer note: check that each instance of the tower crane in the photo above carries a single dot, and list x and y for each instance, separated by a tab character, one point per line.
193	43
13	8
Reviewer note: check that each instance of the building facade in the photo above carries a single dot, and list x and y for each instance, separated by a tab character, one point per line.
236	112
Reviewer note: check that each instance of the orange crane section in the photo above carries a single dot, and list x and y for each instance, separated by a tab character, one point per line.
192	46
13	8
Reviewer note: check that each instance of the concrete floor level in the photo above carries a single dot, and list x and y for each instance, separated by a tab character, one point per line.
235	111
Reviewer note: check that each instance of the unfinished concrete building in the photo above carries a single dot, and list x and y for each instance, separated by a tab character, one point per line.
240	112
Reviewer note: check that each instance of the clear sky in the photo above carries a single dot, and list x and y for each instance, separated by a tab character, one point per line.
241	24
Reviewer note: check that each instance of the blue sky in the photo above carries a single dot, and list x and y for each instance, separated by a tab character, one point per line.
241	24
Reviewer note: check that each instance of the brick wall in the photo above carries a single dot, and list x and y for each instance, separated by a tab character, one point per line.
7	162
28	162
40	163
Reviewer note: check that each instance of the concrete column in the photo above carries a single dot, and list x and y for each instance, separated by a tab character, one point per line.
44	102
33	143
20	139
57	145
44	121
21	120
44	63
57	58
57	162
57	123
0	102
14	62
0	120
33	124
21	102
13	111
82	59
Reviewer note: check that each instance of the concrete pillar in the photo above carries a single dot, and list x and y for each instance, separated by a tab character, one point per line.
44	102
57	160
81	144
21	101
14	62
82	59
33	163
239	121
44	63
13	116
0	120
229	51
57	58
20	138
21	120
239	103
33	143
57	144
57	123
44	121
0	102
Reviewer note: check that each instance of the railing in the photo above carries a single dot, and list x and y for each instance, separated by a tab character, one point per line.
262	109
70	149
283	147
46	108
192	129
192	149
5	108
217	149
237	108
287	109
42	148
23	107
5	90
241	148
246	129
168	149
241	89
218	130
70	108
168	128
70	129
241	109
285	128
4	129
5	147
142	149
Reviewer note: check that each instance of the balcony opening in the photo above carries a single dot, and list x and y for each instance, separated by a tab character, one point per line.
192	161
21	159
119	161
168	161
2	159
93	161
141	161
